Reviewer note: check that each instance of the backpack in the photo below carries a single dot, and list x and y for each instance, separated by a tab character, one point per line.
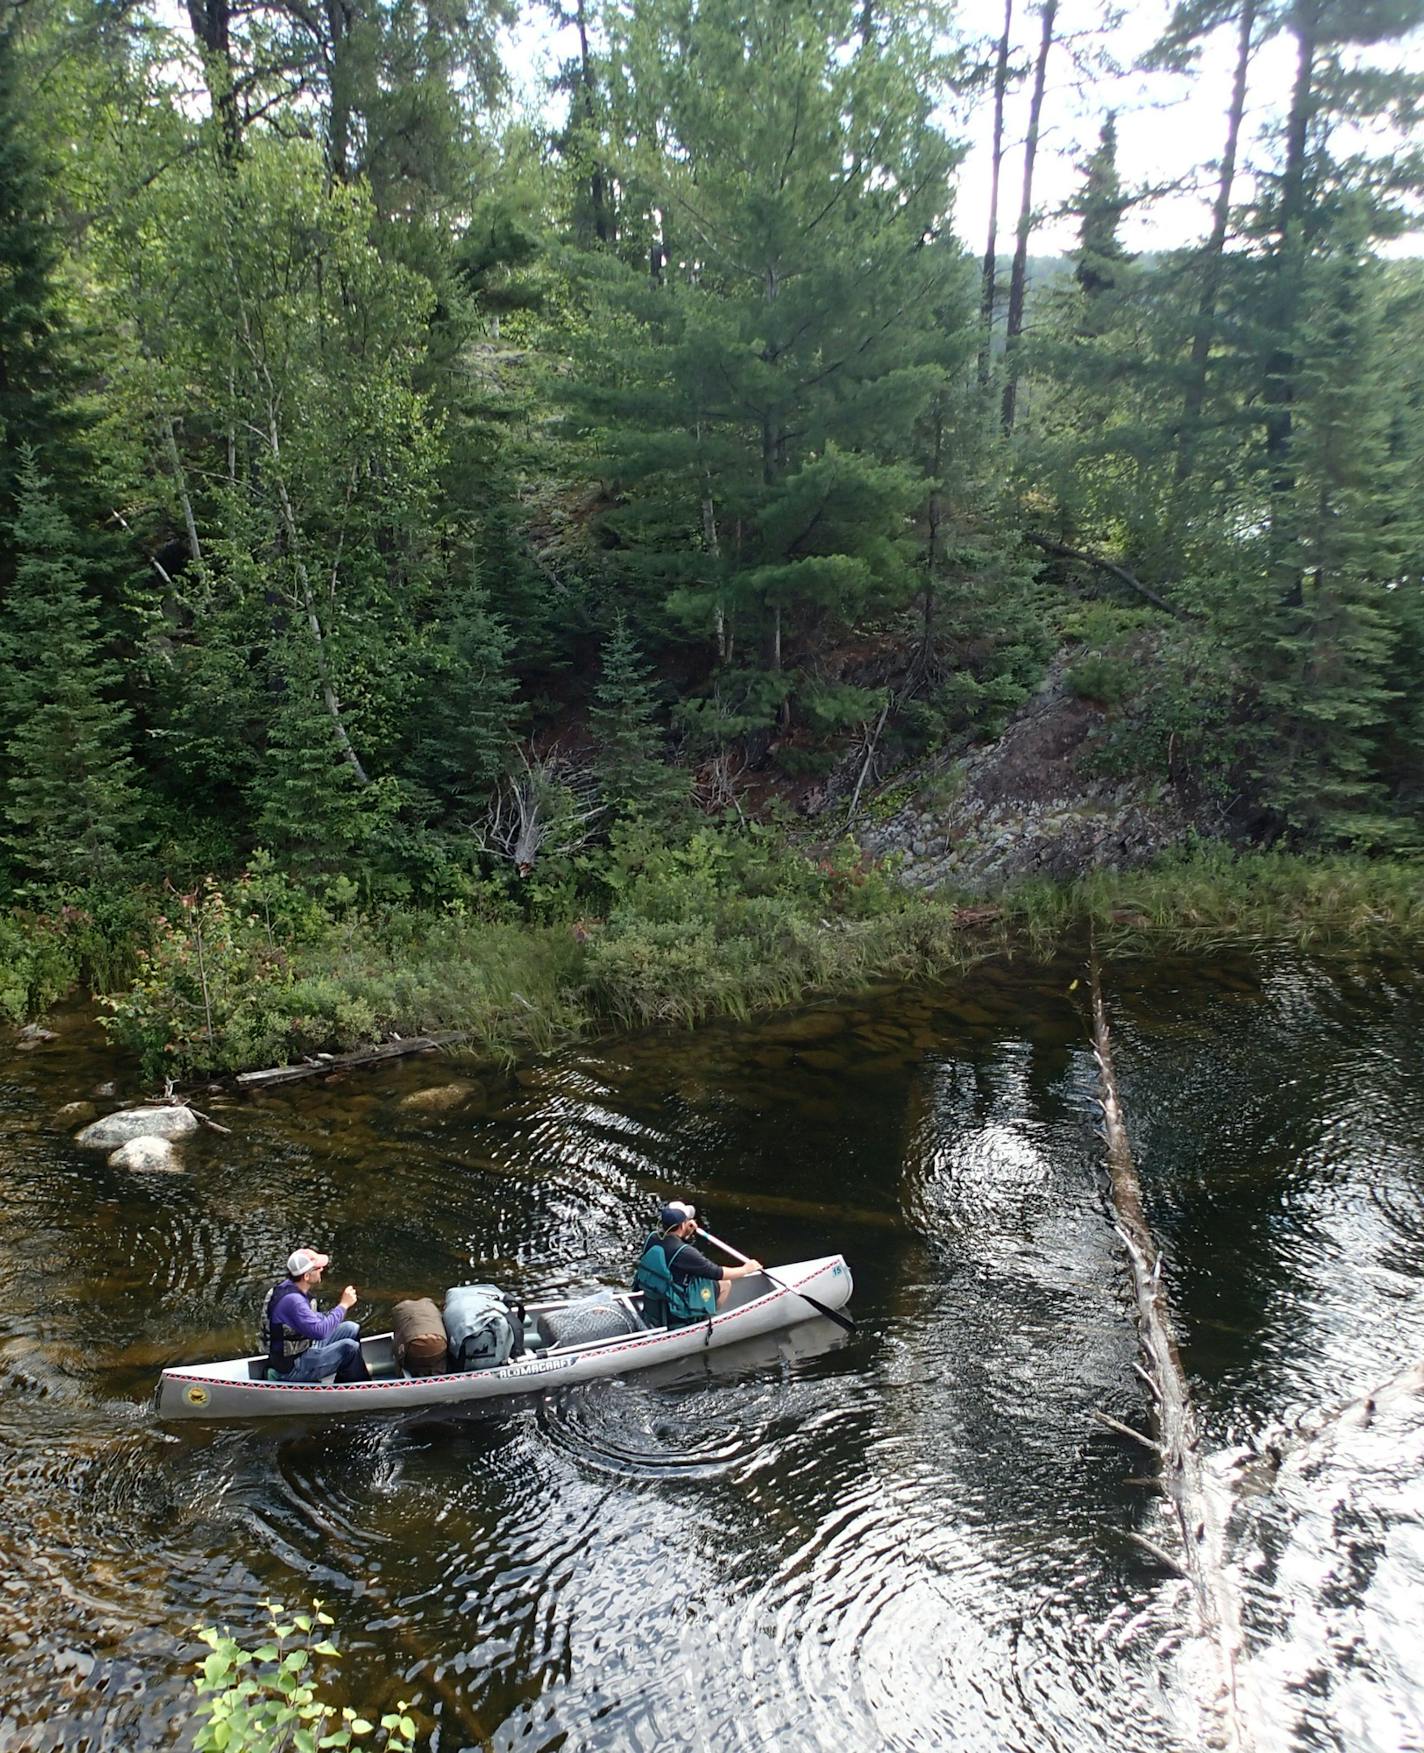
483	1328
668	1302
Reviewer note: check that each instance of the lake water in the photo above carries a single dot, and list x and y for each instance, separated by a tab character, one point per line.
915	1537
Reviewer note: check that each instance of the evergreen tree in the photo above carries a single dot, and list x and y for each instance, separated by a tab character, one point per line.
36	378
307	806
71	800
1323	651
755	406
1100	257
632	775
469	714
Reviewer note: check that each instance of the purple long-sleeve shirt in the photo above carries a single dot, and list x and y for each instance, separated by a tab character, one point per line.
295	1312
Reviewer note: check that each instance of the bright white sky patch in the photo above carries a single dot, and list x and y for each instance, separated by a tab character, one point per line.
1171	129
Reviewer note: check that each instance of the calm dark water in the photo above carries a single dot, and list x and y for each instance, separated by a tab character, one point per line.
913	1538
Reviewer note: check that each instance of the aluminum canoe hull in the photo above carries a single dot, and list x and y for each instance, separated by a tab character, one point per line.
756	1307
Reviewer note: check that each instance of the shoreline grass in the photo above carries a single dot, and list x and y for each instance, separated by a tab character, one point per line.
229	986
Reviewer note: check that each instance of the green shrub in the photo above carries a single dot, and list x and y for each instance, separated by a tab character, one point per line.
83	938
1102	678
265	1700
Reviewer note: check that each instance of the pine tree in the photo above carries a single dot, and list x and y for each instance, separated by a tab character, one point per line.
1099	260
35	374
71	798
1324	651
632	775
308	808
469	714
755	406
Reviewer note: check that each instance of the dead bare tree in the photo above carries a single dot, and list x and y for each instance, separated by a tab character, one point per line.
716	786
549	805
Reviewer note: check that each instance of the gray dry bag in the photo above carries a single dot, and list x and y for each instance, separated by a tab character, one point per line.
483	1329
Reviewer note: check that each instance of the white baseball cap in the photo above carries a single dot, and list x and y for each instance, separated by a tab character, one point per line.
306	1260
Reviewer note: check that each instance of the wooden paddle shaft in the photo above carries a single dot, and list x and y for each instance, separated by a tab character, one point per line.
836	1315
726	1247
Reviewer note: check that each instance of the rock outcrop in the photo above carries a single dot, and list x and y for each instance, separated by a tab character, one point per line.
1026	805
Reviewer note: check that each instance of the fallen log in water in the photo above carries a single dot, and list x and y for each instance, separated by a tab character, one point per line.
1199	1509
344	1061
1308	1443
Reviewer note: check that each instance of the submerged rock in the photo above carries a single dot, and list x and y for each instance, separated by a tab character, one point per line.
146	1153
437	1098
116	1129
75	1114
813	1025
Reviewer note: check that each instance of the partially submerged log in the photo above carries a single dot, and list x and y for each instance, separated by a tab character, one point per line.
1199	1510
1309	1442
344	1061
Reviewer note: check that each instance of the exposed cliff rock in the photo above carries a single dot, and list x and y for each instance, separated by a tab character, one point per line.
1026	805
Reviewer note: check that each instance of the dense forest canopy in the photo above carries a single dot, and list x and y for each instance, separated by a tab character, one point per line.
417	490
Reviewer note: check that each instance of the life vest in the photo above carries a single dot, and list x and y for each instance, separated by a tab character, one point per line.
669	1301
282	1345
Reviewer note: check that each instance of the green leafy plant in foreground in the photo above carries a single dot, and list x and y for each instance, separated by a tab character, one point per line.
264	1700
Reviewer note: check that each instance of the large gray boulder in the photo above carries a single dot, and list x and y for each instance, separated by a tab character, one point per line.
146	1153
116	1129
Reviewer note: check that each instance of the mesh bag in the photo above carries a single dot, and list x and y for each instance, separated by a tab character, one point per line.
592	1317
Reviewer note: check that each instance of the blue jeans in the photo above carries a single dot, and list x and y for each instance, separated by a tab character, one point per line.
341	1354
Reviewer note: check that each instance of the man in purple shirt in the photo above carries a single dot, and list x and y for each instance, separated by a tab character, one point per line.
302	1345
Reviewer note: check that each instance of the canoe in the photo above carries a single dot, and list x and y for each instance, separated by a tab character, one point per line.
756	1305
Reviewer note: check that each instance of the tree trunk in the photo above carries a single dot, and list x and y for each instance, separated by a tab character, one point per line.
1203	334
597	190
1278	390
935	517
709	536
211	23
175	462
991	252
1019	277
272	438
338	142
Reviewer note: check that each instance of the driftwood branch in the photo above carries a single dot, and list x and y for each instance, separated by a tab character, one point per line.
1061	551
1106	1418
253	1080
1199	1511
171	1099
1160	1553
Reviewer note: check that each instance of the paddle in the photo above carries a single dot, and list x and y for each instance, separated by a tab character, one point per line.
830	1314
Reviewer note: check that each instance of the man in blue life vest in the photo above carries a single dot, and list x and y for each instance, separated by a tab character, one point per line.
302	1345
680	1284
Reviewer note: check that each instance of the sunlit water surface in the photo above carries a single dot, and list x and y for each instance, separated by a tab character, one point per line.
916	1537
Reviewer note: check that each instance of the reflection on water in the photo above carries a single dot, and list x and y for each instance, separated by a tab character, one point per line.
912	1537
